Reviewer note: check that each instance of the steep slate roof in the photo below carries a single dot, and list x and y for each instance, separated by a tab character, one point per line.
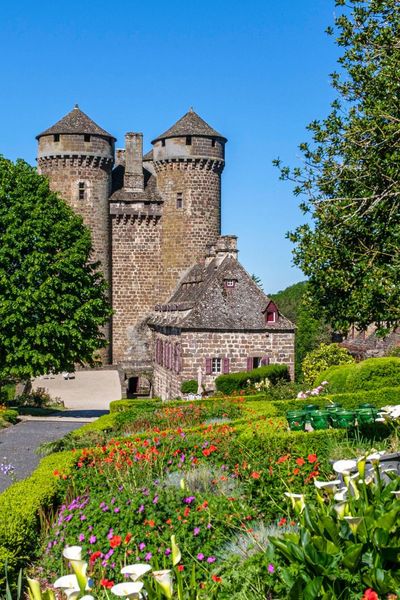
201	301
190	124
150	193
148	155
76	121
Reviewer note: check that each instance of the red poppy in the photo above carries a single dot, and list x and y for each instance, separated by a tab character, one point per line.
300	461
128	538
180	567
312	458
282	522
107	583
115	541
216	578
255	475
296	471
369	594
283	459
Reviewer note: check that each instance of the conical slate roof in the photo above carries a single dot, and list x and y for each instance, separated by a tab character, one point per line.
76	121
190	124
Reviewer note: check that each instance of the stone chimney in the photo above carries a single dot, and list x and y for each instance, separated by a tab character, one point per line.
226	245
210	254
133	180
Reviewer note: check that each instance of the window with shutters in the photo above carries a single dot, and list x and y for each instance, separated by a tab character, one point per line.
256	362
271	313
216	366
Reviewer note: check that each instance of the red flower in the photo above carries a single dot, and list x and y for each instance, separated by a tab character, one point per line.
282	522
115	541
300	461
283	459
94	557
180	567
128	538
255	475
107	583
216	578
370	595
312	458
296	471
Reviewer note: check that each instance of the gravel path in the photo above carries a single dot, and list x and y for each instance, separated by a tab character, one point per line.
19	442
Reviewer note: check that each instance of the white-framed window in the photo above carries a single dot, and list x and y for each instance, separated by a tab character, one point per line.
216	366
230	283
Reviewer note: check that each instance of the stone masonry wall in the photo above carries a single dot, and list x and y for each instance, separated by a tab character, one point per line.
196	347
135	281
187	231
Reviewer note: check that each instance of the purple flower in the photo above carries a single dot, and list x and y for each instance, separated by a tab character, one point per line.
211	559
109	554
83	518
141	508
142	546
116	510
209	526
68	518
148	556
168	552
92	539
196	531
200	556
81	537
271	568
155	499
182	458
189	499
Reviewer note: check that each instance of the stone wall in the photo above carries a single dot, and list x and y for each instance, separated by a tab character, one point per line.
196	347
136	280
187	230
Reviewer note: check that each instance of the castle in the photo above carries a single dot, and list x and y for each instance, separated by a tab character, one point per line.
183	306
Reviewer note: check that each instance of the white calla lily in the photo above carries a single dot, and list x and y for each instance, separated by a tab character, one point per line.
72	553
341	508
136	571
72	594
341	494
327	485
128	589
297	500
67	582
344	466
88	597
176	553
396	493
164	580
354	523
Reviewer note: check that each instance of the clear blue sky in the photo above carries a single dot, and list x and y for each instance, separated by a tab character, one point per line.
257	71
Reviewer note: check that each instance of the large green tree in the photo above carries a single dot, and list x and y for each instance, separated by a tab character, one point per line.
52	297
350	176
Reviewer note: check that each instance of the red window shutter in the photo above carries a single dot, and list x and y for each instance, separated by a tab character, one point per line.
249	363
177	358
171	356
161	353
225	365
157	351
208	366
265	361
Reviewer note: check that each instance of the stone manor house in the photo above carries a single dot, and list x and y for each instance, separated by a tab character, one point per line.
183	306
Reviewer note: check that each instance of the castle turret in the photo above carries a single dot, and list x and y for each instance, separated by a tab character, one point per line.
77	156
188	160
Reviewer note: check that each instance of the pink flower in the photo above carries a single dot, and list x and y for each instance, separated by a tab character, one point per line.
196	531
200	556
92	539
271	568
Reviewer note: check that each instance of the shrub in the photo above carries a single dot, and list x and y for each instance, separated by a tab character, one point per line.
323	357
189	386
369	374
136	403
38	398
21	508
234	382
9	415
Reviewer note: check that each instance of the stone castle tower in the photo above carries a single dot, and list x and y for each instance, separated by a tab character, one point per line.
151	217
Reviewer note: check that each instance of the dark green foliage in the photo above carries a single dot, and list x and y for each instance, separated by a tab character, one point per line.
311	331
21	507
189	387
137	403
350	178
235	382
9	415
52	299
370	374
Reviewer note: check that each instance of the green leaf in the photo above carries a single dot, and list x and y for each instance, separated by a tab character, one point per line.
352	557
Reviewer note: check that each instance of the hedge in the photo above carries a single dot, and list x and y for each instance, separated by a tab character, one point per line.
234	382
136	403
190	386
368	374
21	508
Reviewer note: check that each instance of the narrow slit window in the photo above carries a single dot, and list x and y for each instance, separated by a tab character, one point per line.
163	143
56	137
213	143
86	137
81	190
179	200
188	140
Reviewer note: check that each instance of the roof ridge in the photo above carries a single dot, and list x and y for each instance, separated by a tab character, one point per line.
190	124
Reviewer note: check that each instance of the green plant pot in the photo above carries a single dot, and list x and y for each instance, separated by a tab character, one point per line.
345	419
296	421
319	419
366	416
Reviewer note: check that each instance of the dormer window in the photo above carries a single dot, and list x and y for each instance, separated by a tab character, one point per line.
271	313
56	137
188	140
229	283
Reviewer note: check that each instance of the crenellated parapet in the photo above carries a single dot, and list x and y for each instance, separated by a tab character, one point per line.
189	164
